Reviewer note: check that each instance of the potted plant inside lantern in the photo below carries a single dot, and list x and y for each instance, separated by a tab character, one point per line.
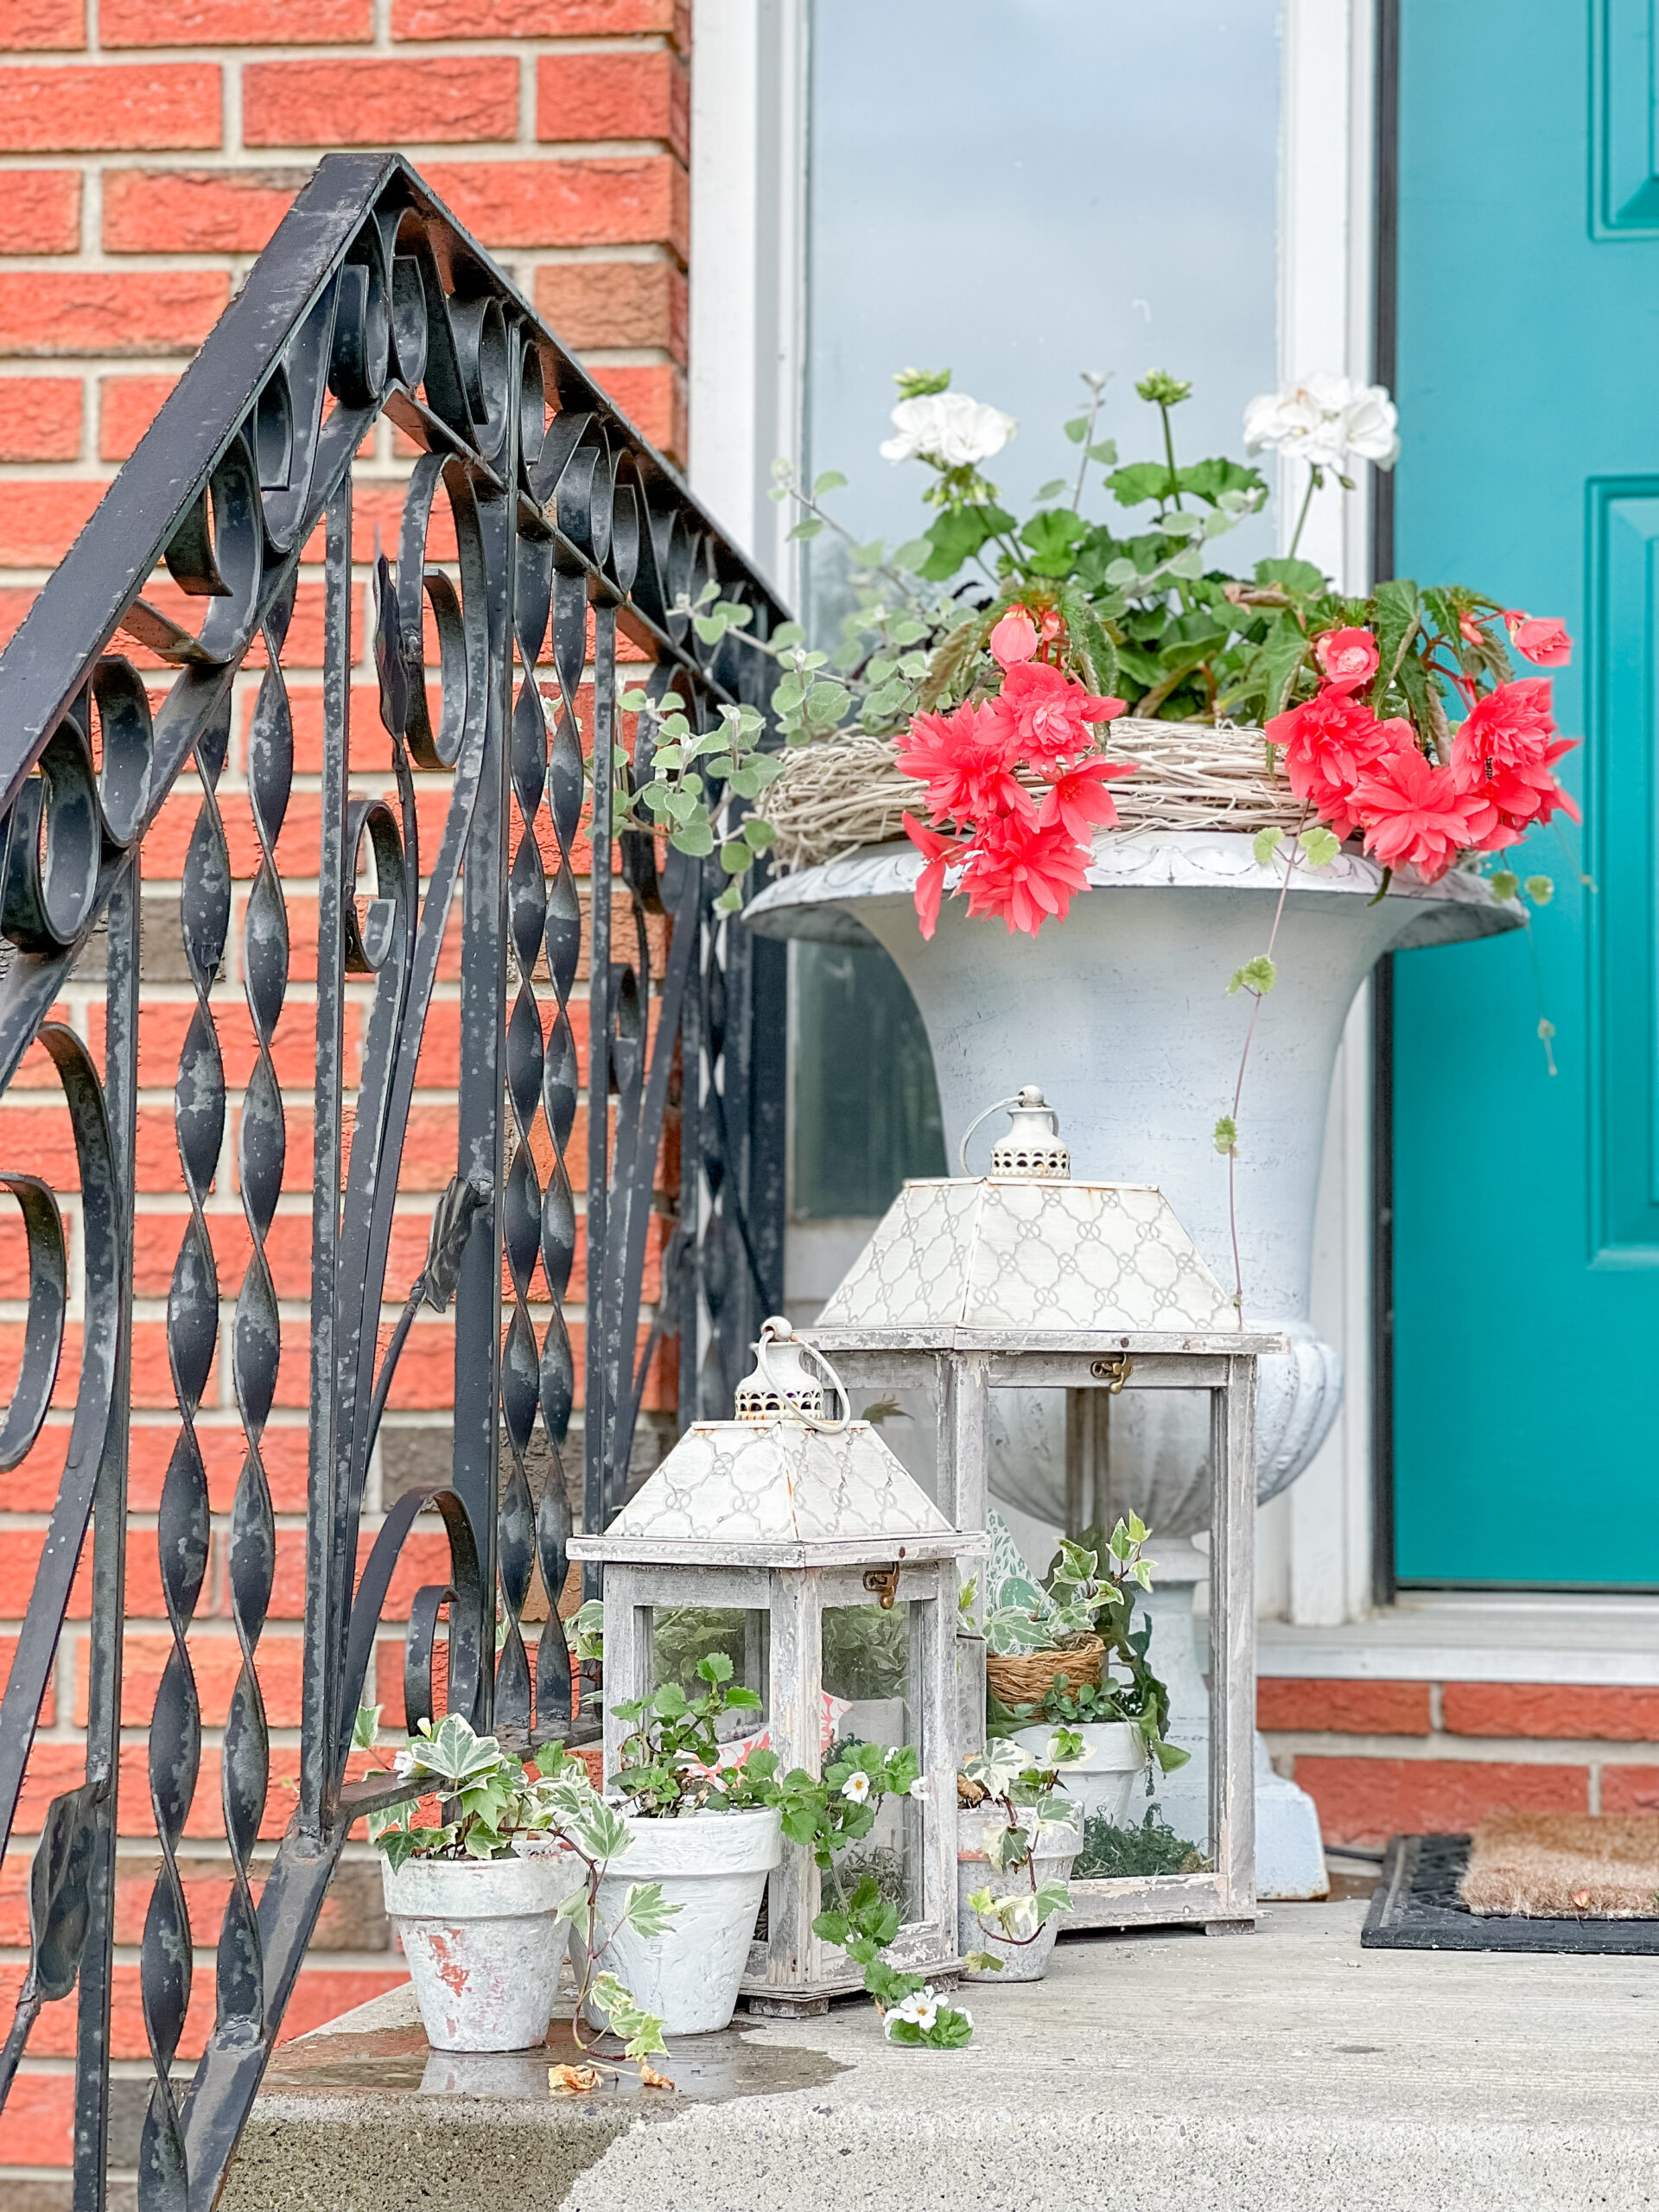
1049	1649
479	1873
1017	1838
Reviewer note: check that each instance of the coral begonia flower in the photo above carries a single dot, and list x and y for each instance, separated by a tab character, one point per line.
1053	712
1014	638
1504	738
939	853
1414	814
1024	871
1347	658
1541	638
966	759
1076	801
1470	631
1328	742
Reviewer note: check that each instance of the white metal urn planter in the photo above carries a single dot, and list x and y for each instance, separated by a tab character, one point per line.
1102	1782
1120	1013
1052	1862
714	1866
483	1943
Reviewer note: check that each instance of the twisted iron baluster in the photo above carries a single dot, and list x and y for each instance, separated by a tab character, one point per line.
521	1204
255	1342
183	1525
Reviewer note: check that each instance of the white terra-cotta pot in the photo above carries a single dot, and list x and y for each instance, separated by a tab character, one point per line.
1115	1759
1026	1961
714	1865
1120	1014
483	1944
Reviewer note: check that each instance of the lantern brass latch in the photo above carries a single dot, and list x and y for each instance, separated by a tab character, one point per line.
882	1582
1114	1373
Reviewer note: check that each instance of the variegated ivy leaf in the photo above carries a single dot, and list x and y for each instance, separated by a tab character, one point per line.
645	1909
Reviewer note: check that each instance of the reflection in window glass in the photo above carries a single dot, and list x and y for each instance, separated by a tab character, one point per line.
1020	190
858	1137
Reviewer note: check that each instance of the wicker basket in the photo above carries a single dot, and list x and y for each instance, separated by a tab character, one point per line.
1027	1677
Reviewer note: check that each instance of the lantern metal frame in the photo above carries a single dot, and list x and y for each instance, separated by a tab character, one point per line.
791	1579
961	1368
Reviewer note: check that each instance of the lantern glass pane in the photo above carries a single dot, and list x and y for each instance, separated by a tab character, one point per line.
683	1635
872	1691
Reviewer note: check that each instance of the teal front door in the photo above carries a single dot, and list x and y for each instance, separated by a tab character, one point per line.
1526	1220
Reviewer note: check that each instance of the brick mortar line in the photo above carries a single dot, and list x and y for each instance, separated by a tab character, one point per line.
1527	1751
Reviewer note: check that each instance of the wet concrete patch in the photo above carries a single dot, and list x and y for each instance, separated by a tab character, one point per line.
397	2061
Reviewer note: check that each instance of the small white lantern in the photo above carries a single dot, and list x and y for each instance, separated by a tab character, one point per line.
1025	1279
796	1542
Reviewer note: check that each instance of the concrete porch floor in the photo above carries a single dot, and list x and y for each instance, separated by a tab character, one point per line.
1161	2072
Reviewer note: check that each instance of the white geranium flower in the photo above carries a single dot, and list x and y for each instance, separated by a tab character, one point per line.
1323	420
949	428
856	1786
918	1788
403	1763
919	2009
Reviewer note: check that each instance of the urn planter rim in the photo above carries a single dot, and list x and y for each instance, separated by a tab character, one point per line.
1183	860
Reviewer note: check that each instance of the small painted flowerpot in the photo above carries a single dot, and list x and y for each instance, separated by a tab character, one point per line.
1115	1759
1051	1862
483	1944
714	1865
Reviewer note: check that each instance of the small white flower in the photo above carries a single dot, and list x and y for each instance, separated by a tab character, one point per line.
1323	420
403	1763
947	428
918	1788
963	2014
856	1786
919	2009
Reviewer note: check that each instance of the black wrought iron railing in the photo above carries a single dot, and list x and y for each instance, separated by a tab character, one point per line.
537	529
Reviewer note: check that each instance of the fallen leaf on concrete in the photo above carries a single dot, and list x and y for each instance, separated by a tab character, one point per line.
573	2080
650	2079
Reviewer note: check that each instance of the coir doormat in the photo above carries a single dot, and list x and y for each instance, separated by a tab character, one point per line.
1417	1908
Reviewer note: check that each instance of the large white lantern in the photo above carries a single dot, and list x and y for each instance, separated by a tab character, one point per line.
794	1539
1027	1279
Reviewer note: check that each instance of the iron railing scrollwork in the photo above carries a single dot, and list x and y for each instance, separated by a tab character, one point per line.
536	530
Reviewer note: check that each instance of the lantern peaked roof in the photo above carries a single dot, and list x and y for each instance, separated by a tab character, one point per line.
1007	1253
774	1492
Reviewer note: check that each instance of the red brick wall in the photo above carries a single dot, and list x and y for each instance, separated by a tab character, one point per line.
1381	1758
146	163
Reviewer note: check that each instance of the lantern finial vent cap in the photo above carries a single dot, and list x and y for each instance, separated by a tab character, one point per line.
779	1386
1031	1150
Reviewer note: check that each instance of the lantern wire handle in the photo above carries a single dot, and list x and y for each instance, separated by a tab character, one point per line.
1002	1106
812	1420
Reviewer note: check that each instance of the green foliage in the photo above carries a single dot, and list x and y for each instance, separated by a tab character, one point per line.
641	2031
1258	976
669	1764
1111	1853
487	1797
1226	1136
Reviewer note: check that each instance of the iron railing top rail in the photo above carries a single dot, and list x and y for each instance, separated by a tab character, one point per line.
53	653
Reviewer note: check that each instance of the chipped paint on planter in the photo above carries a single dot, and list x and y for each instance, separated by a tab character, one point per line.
483	1946
1025	1962
1115	1759
714	1865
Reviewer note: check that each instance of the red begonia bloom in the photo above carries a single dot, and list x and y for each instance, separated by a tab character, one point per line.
1347	658
1076	801
1503	752
966	759
1052	713
939	853
1328	743
1014	638
1024	871
1541	638
1414	815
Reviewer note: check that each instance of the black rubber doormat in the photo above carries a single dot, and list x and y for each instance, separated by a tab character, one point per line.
1416	1908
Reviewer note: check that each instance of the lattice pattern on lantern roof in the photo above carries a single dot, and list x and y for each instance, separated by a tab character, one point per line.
732	1485
1016	1254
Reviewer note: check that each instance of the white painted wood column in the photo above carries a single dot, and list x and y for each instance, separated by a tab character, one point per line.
1315	1541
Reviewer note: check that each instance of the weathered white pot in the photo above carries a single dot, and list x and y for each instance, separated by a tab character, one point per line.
1020	1961
1115	1759
483	1945
713	1865
1120	1014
